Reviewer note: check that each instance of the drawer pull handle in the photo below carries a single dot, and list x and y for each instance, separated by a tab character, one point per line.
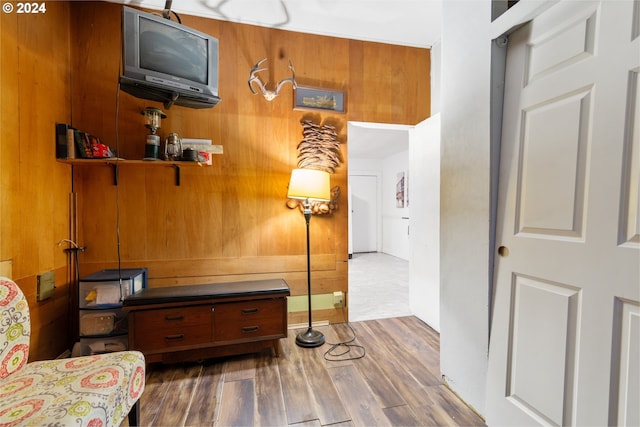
249	329
175	317
249	310
176	337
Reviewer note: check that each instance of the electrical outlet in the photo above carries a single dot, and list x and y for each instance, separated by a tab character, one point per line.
338	299
46	285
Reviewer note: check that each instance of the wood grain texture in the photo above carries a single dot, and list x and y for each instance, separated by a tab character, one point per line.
34	188
240	368
296	390
238	404
329	404
203	407
358	398
183	383
270	408
158	385
404	381
423	376
301	388
381	386
229	219
6	268
401	416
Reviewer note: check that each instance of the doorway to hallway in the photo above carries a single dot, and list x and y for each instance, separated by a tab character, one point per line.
396	153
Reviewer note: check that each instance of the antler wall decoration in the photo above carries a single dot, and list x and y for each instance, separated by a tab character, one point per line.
319	149
269	95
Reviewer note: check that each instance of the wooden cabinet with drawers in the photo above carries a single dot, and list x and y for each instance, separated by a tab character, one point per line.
162	329
200	321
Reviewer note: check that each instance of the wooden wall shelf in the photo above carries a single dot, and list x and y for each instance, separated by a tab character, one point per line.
116	162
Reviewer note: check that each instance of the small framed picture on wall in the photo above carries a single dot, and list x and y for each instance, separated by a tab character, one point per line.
400	186
319	99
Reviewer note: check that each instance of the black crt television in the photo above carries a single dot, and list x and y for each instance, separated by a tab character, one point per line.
168	62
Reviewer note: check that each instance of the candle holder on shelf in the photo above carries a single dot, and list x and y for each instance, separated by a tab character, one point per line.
172	147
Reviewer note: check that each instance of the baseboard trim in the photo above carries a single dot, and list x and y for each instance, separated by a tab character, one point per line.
306	325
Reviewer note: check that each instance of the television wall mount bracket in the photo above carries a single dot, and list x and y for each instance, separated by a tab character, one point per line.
169	102
166	13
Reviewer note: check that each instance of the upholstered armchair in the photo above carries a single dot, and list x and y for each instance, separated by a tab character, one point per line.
97	390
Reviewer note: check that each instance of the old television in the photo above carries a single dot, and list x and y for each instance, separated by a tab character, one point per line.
165	61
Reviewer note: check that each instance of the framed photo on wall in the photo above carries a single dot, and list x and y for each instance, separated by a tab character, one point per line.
319	99
400	196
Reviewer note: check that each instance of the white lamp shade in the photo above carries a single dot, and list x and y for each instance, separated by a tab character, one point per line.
309	184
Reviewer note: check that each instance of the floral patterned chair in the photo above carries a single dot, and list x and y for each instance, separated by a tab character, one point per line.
83	391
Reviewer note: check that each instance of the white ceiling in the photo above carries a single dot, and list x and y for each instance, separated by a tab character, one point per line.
415	23
376	141
403	22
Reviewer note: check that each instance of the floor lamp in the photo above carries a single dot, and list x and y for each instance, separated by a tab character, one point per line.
307	185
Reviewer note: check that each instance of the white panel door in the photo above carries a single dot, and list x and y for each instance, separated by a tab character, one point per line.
565	335
364	212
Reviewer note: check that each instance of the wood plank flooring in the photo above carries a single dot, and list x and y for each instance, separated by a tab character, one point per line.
396	383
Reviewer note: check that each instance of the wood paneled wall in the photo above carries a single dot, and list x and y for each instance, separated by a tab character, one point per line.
225	222
34	188
228	222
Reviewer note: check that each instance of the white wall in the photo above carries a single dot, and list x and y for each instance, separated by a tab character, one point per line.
395	220
436	77
365	165
465	211
465	204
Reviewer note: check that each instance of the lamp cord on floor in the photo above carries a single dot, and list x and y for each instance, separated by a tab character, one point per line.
337	351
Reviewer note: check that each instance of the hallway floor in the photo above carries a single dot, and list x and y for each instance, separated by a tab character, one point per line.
378	287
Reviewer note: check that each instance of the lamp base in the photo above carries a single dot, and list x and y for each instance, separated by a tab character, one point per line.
310	338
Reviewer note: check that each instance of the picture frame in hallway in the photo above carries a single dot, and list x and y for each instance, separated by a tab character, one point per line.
400	196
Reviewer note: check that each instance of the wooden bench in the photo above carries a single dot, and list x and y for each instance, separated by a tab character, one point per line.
195	322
